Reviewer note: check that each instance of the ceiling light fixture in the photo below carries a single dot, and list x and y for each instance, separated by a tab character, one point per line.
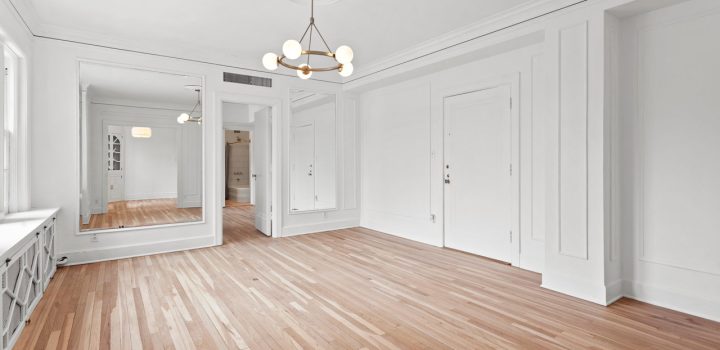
188	117
292	49
141	132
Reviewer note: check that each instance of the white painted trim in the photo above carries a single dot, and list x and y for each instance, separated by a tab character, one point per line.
130	251
295	230
575	286
681	302
486	26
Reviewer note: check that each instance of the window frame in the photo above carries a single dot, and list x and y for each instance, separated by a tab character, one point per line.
10	107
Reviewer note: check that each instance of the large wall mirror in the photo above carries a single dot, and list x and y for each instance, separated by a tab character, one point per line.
313	144
140	148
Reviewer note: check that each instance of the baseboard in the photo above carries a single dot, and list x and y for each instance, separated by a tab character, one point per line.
131	251
189	204
413	229
689	304
613	292
572	286
295	230
149	196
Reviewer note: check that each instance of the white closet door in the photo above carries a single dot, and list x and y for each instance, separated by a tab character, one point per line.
478	193
303	170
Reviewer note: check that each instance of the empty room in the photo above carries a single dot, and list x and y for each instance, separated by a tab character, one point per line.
360	174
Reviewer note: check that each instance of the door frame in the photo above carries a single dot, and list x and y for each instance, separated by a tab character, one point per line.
276	104
513	83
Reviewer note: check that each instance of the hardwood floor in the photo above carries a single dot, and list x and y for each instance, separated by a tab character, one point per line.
142	213
346	289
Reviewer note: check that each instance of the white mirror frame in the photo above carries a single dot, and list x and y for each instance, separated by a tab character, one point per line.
292	153
78	122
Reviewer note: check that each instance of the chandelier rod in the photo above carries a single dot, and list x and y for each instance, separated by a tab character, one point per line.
321	37
310	44
305	33
196	103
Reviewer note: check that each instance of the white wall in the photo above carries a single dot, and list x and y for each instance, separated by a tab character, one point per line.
237	113
670	165
55	146
402	149
151	167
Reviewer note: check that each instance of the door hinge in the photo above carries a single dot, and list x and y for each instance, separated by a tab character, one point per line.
510	169
510	102
510	234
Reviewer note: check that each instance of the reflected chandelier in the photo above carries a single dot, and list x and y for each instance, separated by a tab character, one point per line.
292	49
188	117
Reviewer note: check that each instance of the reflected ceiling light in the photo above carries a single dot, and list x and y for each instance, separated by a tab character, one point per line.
292	49
141	132
188	117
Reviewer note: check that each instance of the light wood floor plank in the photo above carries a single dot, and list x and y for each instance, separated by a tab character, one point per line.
345	289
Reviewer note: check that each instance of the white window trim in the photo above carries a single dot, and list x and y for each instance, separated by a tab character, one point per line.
9	188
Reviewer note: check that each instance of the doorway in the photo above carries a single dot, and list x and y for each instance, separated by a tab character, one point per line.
248	164
478	156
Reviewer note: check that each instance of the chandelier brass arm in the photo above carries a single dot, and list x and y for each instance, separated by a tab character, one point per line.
339	66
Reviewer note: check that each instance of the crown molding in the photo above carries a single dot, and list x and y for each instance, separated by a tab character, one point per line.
26	13
489	25
527	12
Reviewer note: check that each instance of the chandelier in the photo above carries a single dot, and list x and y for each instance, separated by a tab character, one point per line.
292	49
188	117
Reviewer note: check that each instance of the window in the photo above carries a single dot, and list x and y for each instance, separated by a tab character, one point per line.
8	106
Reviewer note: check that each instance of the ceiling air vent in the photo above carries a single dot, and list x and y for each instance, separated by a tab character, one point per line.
246	79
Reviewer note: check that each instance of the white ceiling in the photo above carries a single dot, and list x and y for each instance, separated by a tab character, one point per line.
118	84
250	28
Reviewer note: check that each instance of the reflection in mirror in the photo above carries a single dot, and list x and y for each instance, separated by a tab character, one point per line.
312	151
140	148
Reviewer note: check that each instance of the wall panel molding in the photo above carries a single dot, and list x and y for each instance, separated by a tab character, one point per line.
537	158
573	141
651	36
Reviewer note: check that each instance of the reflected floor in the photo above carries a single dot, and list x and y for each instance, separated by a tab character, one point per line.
142	213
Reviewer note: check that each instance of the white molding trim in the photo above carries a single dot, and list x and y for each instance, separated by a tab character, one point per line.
130	251
489	25
576	287
644	25
289	231
689	304
584	25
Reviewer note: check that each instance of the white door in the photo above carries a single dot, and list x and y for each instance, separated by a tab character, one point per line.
262	176
303	173
478	193
116	176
